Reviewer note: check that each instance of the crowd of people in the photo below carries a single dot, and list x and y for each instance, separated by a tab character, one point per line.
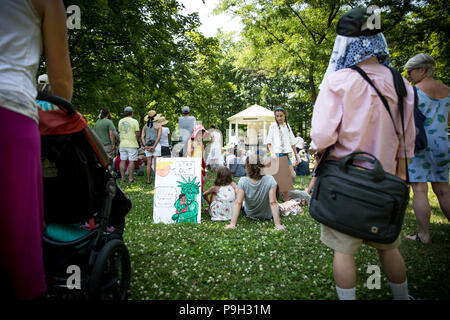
346	118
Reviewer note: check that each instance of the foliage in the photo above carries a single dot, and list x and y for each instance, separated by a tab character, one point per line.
136	52
424	30
291	41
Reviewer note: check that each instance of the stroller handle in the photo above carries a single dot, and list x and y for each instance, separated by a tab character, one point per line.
60	102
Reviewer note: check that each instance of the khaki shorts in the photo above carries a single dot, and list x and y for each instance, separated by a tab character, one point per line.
346	244
109	151
130	154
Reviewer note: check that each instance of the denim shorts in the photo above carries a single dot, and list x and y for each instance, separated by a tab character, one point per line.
252	218
279	155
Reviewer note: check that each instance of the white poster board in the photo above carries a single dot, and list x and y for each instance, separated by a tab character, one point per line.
177	197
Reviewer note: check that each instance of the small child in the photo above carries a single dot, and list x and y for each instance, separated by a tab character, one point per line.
180	204
221	196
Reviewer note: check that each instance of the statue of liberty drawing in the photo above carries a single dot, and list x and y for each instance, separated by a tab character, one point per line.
186	206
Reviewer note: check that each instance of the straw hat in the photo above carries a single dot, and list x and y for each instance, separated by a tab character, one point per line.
161	120
151	113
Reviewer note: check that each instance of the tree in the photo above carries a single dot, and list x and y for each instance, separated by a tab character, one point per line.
295	38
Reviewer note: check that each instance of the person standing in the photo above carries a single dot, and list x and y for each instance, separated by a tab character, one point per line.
104	128
299	142
215	157
195	148
128	147
349	116
165	138
151	135
281	143
433	163
27	27
186	124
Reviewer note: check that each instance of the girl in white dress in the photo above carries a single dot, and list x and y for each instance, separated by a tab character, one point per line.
221	196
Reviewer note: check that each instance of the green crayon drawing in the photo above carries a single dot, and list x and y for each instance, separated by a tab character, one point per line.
186	206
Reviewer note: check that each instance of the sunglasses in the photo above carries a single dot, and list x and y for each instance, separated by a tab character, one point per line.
411	70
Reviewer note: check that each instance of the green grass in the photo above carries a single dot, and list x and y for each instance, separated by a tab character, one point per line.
254	261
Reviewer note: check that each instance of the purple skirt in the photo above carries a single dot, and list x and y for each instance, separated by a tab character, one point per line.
21	207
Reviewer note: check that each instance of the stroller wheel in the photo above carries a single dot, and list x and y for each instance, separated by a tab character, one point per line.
110	278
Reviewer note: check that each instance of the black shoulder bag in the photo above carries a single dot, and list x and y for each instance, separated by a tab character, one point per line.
419	120
369	204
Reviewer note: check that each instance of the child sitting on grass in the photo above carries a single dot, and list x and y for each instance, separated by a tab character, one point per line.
221	196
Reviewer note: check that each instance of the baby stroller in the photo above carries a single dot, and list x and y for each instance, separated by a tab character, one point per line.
84	210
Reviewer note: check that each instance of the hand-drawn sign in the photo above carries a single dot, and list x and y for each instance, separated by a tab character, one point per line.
184	168
165	197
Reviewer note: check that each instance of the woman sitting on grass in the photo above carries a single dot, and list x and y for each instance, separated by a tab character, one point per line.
221	196
259	192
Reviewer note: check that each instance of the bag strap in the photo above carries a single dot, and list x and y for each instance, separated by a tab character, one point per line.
416	98
401	92
383	99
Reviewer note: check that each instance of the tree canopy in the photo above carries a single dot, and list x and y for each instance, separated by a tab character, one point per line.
146	54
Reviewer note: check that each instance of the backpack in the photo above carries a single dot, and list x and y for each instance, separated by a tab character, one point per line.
419	119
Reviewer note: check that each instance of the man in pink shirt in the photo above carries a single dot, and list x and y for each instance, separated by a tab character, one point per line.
350	116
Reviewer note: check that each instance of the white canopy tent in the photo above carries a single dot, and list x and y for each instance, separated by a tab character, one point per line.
257	119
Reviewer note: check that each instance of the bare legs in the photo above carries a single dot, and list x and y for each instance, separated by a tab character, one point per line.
150	160
442	191
130	170
422	208
344	270
393	265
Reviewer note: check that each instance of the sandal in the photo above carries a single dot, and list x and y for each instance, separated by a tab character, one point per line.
416	238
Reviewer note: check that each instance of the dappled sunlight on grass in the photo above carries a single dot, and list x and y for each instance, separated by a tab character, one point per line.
256	261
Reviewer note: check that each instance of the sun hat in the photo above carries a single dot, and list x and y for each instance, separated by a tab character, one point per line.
151	113
186	110
198	128
356	42
353	24
162	120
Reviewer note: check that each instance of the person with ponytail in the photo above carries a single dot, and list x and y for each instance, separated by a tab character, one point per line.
259	192
150	137
281	143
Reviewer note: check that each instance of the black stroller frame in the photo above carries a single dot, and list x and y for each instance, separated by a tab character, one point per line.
100	254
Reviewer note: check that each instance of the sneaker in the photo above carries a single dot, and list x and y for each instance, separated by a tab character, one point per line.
412	297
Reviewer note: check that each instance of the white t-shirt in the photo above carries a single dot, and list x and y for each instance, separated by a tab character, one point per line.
164	141
230	159
300	142
281	140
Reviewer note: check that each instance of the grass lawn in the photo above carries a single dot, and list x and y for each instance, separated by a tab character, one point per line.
255	261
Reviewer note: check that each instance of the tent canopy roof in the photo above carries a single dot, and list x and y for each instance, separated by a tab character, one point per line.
254	113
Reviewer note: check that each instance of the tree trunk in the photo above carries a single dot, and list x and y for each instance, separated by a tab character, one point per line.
300	125
312	84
